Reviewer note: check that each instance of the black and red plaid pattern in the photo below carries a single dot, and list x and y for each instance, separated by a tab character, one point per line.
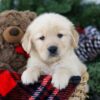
42	90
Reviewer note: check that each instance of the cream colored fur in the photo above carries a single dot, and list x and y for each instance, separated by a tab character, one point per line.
62	67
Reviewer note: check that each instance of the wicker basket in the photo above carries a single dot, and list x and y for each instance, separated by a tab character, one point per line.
82	89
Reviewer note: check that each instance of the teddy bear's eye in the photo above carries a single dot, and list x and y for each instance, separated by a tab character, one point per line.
42	38
60	35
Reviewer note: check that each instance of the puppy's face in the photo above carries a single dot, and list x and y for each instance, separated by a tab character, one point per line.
52	43
52	36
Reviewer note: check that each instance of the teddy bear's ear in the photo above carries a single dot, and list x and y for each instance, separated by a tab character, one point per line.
75	37
27	42
30	15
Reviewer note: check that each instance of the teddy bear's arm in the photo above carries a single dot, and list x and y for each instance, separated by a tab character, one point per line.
5	66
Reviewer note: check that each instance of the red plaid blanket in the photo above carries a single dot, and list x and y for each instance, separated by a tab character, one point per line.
11	88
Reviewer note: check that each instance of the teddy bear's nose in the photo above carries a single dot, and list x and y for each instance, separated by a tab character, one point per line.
14	31
13	34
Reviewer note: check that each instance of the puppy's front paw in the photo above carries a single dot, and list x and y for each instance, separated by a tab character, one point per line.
60	81
29	77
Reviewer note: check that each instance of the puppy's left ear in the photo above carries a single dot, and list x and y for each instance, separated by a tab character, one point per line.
75	37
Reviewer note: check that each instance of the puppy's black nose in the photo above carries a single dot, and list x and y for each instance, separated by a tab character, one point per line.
52	50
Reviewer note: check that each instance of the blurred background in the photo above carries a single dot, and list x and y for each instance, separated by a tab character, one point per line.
82	13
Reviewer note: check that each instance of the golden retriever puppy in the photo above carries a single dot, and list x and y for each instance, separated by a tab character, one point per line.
50	40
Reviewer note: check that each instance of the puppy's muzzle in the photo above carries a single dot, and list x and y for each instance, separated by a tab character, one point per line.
53	50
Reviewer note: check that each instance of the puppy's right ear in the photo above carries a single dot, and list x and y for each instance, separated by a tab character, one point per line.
26	42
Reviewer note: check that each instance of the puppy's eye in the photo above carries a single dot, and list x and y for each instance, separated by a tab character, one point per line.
42	38
60	35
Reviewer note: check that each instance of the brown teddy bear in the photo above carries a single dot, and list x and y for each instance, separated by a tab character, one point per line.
12	28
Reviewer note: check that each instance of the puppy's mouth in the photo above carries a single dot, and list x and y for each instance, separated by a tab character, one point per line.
53	58
52	55
50	59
